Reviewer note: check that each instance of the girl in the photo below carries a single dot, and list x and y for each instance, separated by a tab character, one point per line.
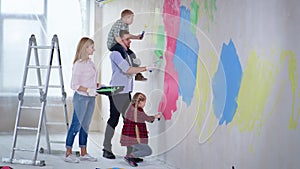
134	131
84	83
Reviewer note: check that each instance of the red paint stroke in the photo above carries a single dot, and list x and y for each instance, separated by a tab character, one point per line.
171	19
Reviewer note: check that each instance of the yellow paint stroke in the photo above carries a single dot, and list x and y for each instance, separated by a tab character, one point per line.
157	20
203	88
258	77
106	1
293	77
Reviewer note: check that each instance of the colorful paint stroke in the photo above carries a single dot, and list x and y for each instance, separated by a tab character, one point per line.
226	84
186	57
171	19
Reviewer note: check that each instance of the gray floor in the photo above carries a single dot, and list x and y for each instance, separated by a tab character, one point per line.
55	160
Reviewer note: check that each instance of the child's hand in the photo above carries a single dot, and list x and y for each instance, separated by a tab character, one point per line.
141	36
125	47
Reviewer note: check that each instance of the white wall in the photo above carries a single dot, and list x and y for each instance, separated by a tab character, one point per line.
261	118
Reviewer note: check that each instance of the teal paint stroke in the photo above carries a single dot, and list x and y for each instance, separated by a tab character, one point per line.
186	57
226	84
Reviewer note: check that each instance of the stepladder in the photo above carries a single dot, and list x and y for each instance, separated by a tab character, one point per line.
40	65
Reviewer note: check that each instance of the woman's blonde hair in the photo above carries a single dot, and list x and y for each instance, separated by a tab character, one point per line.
80	51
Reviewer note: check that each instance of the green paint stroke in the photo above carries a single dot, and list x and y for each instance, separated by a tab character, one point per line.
194	16
293	77
257	80
160	44
209	7
160	37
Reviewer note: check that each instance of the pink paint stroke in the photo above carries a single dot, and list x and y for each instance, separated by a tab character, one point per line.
171	19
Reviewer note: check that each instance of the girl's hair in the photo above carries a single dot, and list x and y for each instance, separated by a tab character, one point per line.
138	97
82	45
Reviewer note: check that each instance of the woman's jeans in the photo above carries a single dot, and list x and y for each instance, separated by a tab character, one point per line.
83	111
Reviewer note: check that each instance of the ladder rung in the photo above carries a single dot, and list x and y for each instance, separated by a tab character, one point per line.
56	123
54	86
33	87
58	142
28	128
42	66
55	105
24	161
42	47
21	149
31	107
41	87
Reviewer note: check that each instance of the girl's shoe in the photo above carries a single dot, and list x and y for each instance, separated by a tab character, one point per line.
138	160
71	159
87	157
130	161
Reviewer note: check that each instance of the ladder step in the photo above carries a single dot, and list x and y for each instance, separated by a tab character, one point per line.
24	161
31	107
21	149
42	47
42	66
54	86
33	87
55	105
58	142
56	123
28	128
41	87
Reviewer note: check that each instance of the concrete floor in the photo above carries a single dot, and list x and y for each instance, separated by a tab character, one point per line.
55	160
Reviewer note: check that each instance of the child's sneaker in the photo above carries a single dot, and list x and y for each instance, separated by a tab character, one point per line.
130	161
71	159
140	77
87	157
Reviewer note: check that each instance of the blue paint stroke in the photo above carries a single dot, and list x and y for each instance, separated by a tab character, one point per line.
226	84
186	57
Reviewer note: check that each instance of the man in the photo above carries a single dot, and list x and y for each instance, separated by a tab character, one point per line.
122	75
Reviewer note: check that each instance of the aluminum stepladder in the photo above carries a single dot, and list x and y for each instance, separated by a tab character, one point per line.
42	87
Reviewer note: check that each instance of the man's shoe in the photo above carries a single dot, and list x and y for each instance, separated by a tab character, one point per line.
137	160
108	154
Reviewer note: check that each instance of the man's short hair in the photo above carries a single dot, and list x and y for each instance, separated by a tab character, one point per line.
123	32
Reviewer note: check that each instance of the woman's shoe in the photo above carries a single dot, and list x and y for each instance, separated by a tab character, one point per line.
87	157
71	159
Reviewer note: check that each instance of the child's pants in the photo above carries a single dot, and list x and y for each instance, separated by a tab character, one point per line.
141	150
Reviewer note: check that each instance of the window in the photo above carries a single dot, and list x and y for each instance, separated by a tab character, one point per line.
43	18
